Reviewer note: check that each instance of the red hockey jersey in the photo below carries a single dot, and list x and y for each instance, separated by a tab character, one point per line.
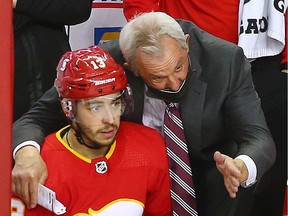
132	179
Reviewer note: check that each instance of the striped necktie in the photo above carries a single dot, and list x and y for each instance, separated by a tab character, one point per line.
182	187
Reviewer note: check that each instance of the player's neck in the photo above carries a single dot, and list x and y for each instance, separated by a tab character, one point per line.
83	150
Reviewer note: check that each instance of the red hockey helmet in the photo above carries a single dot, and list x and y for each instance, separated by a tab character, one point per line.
87	73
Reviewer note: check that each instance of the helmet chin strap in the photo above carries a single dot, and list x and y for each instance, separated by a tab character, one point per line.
78	135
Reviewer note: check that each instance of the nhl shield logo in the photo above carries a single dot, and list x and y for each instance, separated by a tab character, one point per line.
101	167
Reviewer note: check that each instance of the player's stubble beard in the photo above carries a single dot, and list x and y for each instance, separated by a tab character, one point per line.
84	139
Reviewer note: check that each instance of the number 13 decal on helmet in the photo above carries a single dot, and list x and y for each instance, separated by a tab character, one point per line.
98	63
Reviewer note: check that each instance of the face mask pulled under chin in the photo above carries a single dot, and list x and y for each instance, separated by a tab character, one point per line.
171	96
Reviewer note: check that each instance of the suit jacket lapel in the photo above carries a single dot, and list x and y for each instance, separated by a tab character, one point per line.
192	107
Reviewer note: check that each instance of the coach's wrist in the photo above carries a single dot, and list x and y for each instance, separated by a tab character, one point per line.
26	148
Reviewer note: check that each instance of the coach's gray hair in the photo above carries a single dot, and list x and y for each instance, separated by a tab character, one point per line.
144	32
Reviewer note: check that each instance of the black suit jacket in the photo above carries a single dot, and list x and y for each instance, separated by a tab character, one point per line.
220	111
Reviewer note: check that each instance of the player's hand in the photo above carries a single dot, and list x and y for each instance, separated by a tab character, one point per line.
28	171
234	172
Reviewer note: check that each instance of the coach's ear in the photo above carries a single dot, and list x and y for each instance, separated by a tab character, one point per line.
187	40
127	66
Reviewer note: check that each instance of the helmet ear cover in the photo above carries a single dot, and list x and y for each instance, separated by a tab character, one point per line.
69	108
127	100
